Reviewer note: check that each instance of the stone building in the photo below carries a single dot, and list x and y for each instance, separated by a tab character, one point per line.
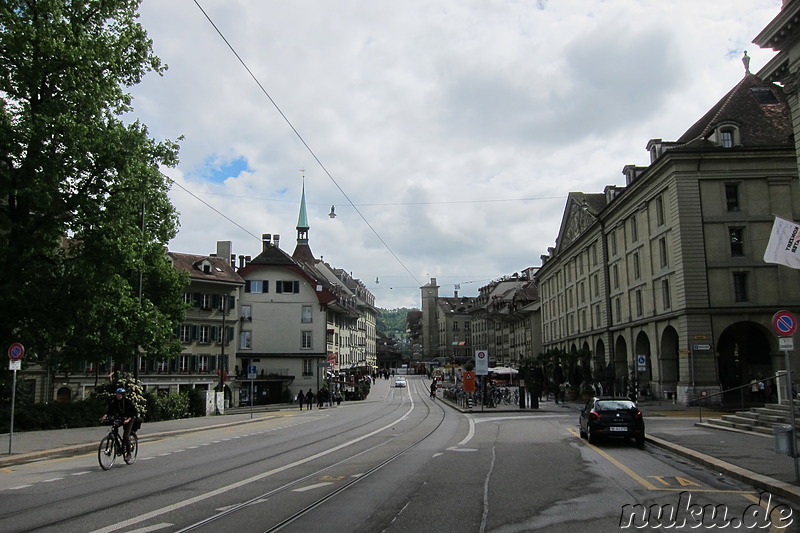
662	280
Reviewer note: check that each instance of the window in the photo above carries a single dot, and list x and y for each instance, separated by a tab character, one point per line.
581	292
205	301
204	334
202	363
466	325
740	286
726	138
634	229
246	313
612	237
662	251
638	302
183	363
732	196
246	340
593	253
256	285
637	271
163	366
596	284
187	298
306	343
618	308
306	314
660	211
287	287
737	241
185	335
665	296
455	326
308	367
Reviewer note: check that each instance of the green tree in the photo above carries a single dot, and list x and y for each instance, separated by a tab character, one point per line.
84	212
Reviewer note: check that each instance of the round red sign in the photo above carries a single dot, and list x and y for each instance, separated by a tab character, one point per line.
784	323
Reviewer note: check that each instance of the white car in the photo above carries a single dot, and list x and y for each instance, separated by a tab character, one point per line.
400	382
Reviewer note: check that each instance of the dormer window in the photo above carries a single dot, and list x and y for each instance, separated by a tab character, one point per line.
726	136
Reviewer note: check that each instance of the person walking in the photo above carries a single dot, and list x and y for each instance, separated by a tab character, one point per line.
300	398
309	400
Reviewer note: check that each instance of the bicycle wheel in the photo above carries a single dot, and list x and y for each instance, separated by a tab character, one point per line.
134	449
106	453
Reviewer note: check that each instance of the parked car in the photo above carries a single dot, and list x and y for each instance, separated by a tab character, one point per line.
611	417
400	381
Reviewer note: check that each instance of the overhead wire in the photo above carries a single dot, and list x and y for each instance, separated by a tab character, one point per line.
302	140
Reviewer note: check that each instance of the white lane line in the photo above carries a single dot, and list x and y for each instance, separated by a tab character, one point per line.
19	487
312	487
81	473
470	433
227	488
154	527
51	480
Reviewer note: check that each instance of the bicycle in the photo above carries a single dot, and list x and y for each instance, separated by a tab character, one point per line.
111	446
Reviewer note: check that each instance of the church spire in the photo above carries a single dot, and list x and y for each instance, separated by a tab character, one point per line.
302	251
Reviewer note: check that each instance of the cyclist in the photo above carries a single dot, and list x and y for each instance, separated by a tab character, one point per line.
123	408
433	389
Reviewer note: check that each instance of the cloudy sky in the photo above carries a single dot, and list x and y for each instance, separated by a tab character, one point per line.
446	133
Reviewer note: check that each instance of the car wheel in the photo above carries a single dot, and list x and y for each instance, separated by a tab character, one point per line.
640	441
591	435
581	431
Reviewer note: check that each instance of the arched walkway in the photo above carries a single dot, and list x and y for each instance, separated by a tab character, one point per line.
744	354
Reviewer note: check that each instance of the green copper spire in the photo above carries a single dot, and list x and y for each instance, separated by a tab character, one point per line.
302	220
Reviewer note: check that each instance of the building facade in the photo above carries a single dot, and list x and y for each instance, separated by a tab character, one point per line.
663	280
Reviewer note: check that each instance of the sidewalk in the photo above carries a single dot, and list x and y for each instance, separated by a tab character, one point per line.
744	456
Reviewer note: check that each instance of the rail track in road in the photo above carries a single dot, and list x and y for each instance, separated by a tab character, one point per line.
430	406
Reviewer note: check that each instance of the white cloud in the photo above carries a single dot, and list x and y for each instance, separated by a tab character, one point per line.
427	114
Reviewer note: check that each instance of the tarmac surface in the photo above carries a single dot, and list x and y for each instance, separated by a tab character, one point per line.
744	456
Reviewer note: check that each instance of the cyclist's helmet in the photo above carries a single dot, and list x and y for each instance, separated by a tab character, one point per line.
120	391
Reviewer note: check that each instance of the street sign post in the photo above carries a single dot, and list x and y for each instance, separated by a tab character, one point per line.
15	353
481	363
785	325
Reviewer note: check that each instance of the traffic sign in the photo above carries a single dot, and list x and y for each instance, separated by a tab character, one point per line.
16	351
481	363
784	323
701	347
251	372
641	363
786	343
14	364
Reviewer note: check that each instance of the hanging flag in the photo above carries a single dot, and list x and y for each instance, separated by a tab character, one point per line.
784	244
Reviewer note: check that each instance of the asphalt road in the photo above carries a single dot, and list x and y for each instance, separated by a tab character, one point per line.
398	462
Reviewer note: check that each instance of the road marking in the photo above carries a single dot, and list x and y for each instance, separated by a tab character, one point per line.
154	527
312	487
642	481
19	487
51	480
233	486
81	473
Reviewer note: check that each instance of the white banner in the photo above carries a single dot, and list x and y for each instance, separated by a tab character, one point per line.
784	242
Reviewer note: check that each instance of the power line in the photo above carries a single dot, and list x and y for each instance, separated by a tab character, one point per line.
286	119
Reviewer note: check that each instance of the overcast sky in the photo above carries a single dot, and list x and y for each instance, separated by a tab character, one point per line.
446	133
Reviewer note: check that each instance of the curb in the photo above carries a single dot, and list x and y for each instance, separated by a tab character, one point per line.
782	489
77	449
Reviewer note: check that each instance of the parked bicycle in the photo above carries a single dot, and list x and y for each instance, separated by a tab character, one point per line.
111	447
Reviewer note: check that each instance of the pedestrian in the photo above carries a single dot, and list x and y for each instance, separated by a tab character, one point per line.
320	398
300	398
762	392
309	400
753	391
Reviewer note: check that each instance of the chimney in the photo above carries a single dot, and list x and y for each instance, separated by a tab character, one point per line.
277	240
241	261
455	294
265	240
224	249
233	260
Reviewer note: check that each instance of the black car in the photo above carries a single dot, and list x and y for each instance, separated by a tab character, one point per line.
611	417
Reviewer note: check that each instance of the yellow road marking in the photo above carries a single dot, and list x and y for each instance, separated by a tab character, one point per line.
649	486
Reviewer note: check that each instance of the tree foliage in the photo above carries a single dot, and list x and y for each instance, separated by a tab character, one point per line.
84	212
